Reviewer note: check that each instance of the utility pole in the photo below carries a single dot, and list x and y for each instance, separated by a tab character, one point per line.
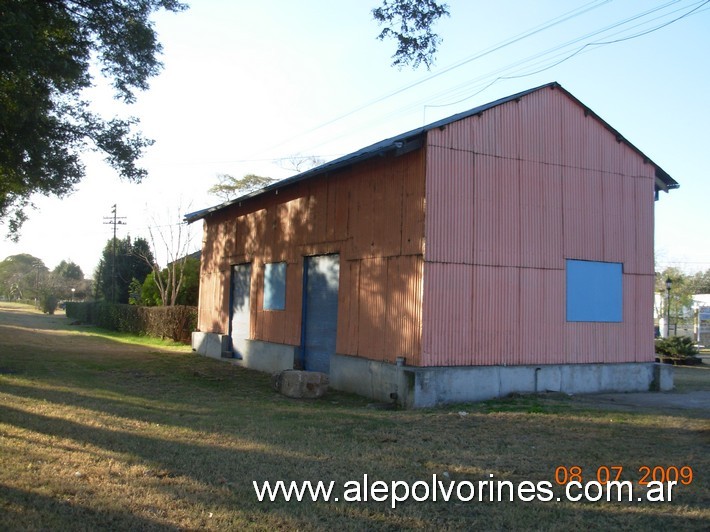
114	220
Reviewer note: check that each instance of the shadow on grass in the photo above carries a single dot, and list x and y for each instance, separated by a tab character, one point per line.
198	432
30	510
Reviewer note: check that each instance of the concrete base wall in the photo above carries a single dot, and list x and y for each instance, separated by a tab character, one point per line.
210	344
415	387
253	354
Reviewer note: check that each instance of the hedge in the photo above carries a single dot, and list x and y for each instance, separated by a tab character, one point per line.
176	322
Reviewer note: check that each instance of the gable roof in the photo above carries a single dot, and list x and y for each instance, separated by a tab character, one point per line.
414	139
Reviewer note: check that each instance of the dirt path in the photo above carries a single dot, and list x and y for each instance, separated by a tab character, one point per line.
23	329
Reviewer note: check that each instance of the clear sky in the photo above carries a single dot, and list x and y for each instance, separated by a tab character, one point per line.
248	84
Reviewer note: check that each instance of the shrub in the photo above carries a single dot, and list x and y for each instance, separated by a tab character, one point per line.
48	303
176	323
677	350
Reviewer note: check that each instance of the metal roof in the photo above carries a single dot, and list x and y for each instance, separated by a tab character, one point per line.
414	139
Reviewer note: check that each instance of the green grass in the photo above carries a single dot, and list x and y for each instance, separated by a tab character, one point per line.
96	433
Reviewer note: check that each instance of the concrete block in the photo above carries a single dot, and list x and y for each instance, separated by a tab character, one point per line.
300	384
210	344
663	377
266	356
368	378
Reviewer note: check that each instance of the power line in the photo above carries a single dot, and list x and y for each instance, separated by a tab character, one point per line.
115	221
478	55
523	63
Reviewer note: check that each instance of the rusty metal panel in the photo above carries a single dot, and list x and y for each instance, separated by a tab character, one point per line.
644	347
541	126
337	223
209	318
449	205
387	210
447	314
348	308
542	316
360	218
496	212
413	202
372	308
643	210
404	309
541	229
508	132
456	135
628	226
582	214
496	316
314	217
572	142
614	217
292	313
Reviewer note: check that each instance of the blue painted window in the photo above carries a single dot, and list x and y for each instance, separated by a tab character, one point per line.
594	291
275	286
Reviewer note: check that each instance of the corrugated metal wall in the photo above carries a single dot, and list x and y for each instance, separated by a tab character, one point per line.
373	216
511	194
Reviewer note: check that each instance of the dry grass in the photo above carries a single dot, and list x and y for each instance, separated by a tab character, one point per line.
97	434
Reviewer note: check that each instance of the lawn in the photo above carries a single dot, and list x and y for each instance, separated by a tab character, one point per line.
100	432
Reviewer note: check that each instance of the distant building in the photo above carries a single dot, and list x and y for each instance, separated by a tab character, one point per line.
505	249
693	321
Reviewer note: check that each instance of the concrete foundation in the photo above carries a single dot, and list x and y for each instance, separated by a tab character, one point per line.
416	387
254	354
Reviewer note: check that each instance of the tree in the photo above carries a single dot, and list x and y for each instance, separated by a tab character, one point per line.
22	276
175	241
681	297
300	163
410	23
68	278
47	50
701	282
189	287
230	187
121	262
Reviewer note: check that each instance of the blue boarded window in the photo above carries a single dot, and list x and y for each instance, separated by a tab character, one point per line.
594	291
275	286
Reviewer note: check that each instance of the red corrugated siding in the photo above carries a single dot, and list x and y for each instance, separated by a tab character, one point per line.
549	183
450	198
541	239
372	215
447	318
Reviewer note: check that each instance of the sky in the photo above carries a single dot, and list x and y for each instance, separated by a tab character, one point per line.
247	86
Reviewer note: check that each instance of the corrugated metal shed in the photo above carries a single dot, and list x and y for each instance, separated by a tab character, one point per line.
453	239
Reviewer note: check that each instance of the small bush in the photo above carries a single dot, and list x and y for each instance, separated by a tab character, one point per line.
48	303
677	350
